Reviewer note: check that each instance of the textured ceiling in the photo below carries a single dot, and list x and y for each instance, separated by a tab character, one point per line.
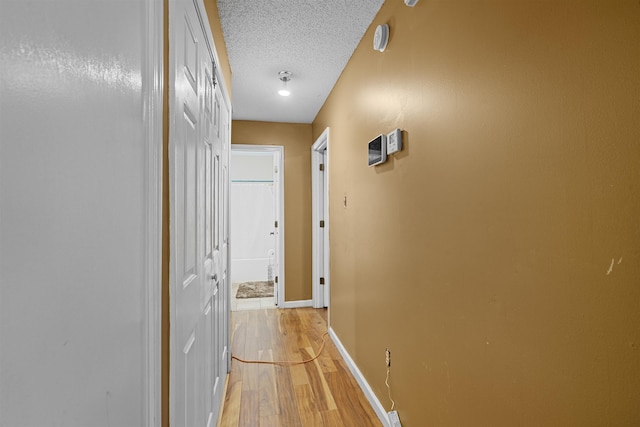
313	39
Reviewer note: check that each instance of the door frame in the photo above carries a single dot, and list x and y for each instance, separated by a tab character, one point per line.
279	160
320	211
153	92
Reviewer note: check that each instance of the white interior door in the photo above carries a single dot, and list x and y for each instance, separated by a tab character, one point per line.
324	232
188	276
320	221
276	224
198	306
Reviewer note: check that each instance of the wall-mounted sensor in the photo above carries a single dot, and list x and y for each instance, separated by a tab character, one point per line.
377	149
394	141
410	3
381	38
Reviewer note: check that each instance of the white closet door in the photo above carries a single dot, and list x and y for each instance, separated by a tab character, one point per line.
188	345
198	307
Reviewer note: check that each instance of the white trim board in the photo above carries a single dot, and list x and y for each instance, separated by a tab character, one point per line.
153	94
297	304
362	382
279	151
320	211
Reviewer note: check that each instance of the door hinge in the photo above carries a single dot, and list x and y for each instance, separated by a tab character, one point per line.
276	279
215	79
321	166
322	224
275	224
322	280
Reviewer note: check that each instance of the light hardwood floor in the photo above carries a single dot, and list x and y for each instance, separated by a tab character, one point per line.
318	393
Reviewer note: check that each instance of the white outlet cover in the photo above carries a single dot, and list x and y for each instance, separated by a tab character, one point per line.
394	419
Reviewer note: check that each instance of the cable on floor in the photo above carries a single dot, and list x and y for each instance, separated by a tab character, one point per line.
286	362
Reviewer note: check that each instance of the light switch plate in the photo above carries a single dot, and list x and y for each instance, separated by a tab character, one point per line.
394	141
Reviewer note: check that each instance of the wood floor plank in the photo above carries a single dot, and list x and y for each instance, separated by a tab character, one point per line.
251	372
309	413
249	409
268	391
231	408
298	375
250	377
271	421
323	396
287	403
291	347
345	375
332	418
325	359
339	382
320	393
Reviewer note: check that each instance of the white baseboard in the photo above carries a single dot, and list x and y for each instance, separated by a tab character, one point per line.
364	385
297	304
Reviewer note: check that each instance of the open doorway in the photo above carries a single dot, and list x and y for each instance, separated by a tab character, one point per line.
256	205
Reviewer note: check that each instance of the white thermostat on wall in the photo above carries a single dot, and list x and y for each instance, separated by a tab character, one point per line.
394	141
377	149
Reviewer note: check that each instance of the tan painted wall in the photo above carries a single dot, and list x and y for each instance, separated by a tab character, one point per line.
296	139
211	6
497	256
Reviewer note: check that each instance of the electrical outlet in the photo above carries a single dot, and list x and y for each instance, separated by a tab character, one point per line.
387	359
394	419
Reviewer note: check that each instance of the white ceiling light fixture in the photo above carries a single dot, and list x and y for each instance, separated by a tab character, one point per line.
285	76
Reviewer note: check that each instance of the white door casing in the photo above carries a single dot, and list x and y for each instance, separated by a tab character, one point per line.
209	179
320	213
221	291
80	212
278	225
199	307
278	184
225	297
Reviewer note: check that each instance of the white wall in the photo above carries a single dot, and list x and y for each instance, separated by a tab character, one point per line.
252	211
73	206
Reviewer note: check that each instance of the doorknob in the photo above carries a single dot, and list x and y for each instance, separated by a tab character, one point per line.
214	277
